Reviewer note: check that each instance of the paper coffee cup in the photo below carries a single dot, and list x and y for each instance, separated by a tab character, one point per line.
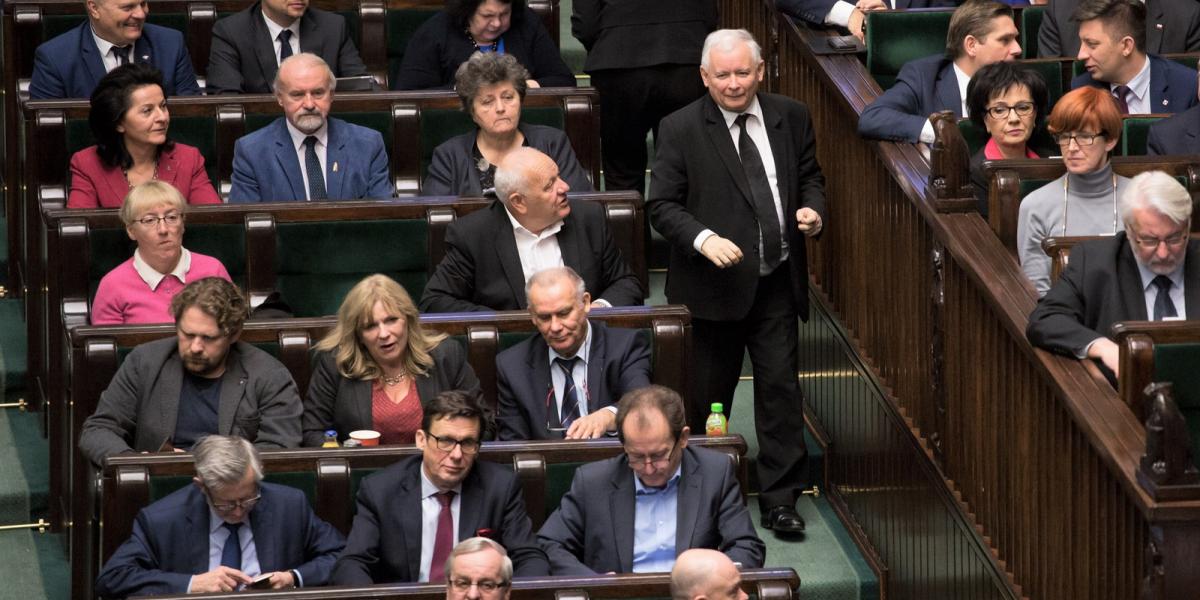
367	437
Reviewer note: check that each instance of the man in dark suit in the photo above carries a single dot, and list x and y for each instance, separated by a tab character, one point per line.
981	33
634	513
593	366
642	57
1172	26
1179	134
248	45
411	514
115	33
1113	33
736	188
171	392
1150	271
305	155
184	542
850	16
531	226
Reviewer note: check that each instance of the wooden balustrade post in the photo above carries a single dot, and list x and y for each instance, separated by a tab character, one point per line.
937	345
1170	558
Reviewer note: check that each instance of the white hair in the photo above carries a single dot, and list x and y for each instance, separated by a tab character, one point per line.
1159	191
479	544
547	277
222	460
726	40
311	60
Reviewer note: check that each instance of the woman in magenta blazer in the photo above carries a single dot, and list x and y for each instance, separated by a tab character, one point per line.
129	119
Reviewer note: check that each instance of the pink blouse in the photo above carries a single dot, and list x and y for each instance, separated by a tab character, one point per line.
125	298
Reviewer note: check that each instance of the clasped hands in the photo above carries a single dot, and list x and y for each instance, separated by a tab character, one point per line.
724	253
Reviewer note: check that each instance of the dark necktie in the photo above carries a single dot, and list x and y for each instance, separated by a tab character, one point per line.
570	399
316	180
285	44
1120	93
1163	306
122	54
231	554
443	541
760	188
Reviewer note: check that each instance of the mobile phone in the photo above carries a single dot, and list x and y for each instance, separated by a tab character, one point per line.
843	42
262	582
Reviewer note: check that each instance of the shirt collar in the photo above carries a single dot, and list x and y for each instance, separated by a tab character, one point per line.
216	521
1148	276
584	350
153	278
104	46
642	489
754	109
427	487
273	28
963	81
298	136
518	228
1140	84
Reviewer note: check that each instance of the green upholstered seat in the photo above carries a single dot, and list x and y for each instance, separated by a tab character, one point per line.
317	263
1176	363
226	243
400	25
1031	21
891	41
975	136
1051	72
305	481
1134	131
437	126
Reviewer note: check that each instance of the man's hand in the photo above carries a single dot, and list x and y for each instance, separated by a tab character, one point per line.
1107	352
857	20
808	221
592	426
220	579
721	251
869	5
281	580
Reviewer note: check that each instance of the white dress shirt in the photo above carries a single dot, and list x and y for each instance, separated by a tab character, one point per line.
537	250
431	509
963	81
274	29
106	55
321	146
578	375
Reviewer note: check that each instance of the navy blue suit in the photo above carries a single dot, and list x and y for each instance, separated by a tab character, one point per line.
814	11
267	169
1179	134
170	543
924	86
1172	85
70	65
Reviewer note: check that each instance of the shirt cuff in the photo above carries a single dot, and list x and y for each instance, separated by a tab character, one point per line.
840	14
927	132
189	587
297	579
700	239
602	302
1083	354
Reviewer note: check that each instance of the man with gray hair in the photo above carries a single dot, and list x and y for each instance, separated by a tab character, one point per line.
1150	271
531	226
222	533
565	380
703	574
478	568
306	155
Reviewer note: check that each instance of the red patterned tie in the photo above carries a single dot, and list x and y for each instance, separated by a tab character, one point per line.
443	541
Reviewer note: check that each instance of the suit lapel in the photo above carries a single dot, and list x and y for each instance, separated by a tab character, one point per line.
781	151
264	46
199	525
143	51
718	134
597	387
470	506
538	362
115	180
1159	87
405	502
568	244
1129	278
310	39
168	389
687	502
360	396
91	57
1155	21
233	386
623	507
168	169
265	531
1191	281
506	250
335	158
946	88
285	154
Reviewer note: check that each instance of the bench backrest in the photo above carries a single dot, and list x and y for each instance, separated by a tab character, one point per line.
890	43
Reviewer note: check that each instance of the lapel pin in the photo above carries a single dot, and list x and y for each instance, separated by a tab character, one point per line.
1158	25
335	166
146	57
1166	102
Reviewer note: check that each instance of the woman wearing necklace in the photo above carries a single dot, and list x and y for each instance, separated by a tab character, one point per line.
1086	124
465	27
492	88
129	119
377	365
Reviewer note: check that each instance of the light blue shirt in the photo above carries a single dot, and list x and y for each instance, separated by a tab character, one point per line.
654	525
1151	291
217	534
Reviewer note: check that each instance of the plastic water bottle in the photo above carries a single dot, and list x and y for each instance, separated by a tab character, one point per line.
716	423
330	440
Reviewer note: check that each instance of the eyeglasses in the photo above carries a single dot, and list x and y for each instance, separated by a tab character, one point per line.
246	504
150	221
485	586
1082	139
1174	241
638	462
1001	111
447	444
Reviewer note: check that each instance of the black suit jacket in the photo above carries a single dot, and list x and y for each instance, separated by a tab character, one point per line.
629	34
344	405
1100	286
453	172
385	540
243	59
592	530
1171	26
697	182
1179	134
482	270
618	362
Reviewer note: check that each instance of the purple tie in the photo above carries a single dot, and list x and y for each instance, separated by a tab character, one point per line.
1119	94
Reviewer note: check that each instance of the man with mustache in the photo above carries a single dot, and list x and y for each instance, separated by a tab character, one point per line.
169	393
306	155
1150	271
115	33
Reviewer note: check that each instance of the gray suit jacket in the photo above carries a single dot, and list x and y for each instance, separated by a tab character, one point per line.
592	530
138	410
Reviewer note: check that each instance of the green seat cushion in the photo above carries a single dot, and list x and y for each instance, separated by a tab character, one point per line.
1031	21
439	125
891	43
1051	72
975	136
400	25
305	481
1176	363
1134	131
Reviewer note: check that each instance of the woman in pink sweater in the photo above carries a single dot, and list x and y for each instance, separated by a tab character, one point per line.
140	289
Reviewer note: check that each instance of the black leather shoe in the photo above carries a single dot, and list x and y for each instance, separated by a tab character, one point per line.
783	519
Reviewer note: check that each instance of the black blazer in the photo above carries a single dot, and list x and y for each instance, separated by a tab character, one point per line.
243	60
627	34
618	362
1100	286
1171	26
453	172
482	270
697	183
439	46
385	541
344	405
1179	134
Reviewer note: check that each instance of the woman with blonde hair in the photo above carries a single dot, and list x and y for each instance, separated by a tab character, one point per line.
377	366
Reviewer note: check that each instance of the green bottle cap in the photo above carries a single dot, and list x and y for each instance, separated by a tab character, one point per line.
717	407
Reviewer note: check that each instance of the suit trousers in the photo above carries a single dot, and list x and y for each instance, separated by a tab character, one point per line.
769	333
632	102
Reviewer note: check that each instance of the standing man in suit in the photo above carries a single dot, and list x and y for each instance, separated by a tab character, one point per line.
412	513
115	33
642	57
634	513
981	32
170	393
851	16
1150	271
736	189
593	366
491	253
702	574
1113	36
305	155
185	542
1172	26
248	45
